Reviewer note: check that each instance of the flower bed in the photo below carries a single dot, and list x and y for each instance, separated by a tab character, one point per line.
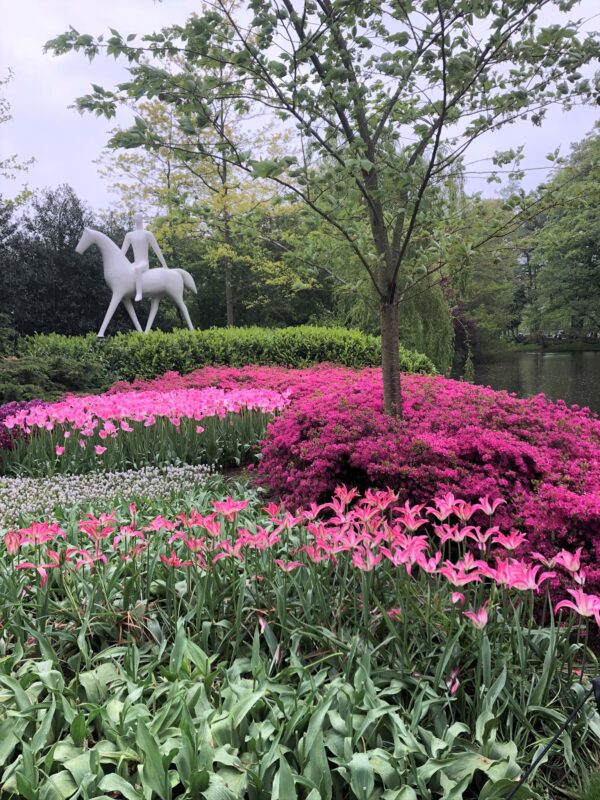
385	594
121	429
544	457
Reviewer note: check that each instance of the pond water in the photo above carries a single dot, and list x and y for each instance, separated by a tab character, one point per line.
570	376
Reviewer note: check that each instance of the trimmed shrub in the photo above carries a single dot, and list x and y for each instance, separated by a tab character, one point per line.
131	356
30	377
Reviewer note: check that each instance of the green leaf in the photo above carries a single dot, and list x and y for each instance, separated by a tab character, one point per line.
78	730
240	710
501	790
40	738
284	780
317	769
153	772
60	786
178	650
405	793
362	778
114	783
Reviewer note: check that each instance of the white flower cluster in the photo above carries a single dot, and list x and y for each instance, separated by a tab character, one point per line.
40	497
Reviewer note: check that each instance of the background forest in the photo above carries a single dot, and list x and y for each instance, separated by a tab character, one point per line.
522	266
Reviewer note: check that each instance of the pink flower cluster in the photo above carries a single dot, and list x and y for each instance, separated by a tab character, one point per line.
544	457
373	531
110	414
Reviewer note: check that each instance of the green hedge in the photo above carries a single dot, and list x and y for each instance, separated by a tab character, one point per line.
133	355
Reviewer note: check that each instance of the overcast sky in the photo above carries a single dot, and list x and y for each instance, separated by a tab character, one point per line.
65	143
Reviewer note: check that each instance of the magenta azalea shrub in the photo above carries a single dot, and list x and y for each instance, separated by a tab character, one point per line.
543	457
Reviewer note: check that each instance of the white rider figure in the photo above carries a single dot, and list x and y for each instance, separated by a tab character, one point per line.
139	239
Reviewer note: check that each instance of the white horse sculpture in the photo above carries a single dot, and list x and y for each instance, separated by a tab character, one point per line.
120	278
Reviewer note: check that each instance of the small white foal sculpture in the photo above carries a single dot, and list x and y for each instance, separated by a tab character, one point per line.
119	275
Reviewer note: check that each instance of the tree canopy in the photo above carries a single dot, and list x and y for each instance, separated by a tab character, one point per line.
378	93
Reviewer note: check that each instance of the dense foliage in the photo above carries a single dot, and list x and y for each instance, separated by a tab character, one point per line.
131	356
31	377
351	650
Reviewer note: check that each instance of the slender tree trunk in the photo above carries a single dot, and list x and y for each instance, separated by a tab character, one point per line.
390	358
228	293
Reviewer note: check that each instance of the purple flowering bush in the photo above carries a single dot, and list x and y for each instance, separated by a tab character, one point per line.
7	436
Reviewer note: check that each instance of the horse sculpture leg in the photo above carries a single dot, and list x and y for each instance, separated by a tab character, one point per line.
184	312
153	309
112	307
132	315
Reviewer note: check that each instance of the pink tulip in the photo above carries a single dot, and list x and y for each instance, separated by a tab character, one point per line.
174	561
458	577
288	566
570	561
59	450
12	542
587	605
524	577
365	559
510	541
489	507
99	449
479	618
229	507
